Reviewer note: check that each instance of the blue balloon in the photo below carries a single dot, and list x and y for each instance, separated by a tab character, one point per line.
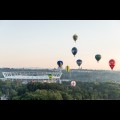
79	62
74	51
60	63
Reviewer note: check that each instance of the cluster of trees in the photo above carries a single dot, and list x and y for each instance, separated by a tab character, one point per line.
54	91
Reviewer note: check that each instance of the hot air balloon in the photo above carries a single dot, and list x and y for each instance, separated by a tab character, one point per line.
75	37
73	83
74	51
112	63
79	62
67	68
50	76
60	63
98	57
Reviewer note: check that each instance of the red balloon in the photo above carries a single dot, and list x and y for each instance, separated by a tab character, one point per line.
112	63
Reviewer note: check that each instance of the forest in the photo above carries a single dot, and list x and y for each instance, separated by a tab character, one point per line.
53	91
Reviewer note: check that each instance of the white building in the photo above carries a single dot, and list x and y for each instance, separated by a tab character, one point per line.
36	76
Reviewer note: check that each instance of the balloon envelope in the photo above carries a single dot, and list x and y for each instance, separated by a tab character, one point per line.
79	62
98	57
112	63
50	76
60	63
75	37
74	51
67	68
73	83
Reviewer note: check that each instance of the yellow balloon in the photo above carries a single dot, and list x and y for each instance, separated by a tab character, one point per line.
50	76
67	68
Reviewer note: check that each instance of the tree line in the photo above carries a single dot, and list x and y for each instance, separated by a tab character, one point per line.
53	91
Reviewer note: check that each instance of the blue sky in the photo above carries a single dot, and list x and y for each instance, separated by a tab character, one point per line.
41	43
